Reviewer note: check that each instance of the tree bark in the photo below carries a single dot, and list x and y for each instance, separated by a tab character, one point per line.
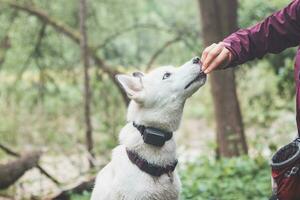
87	88
12	171
219	18
42	170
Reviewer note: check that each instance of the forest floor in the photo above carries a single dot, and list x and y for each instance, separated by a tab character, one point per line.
194	138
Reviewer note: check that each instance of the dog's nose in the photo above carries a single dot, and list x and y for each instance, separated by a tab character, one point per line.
196	60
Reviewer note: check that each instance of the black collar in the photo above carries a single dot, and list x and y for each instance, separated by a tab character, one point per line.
153	136
149	168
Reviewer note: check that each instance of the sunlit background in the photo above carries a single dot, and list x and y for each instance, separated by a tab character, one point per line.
42	98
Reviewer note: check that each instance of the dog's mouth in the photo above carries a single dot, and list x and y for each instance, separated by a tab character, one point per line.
198	78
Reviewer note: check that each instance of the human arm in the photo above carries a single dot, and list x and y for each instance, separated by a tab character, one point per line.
274	34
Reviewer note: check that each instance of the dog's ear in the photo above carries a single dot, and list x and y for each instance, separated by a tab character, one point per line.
138	74
132	85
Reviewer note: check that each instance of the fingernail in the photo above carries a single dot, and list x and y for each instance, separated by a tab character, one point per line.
206	71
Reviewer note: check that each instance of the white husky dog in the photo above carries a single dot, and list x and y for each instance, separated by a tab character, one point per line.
142	166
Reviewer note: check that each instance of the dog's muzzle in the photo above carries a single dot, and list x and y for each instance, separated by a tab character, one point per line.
196	60
200	76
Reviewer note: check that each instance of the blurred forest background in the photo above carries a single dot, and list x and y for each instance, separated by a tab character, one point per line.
61	110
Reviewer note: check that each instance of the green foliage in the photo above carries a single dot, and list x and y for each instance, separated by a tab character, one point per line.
41	100
125	34
259	94
84	196
50	113
253	11
240	178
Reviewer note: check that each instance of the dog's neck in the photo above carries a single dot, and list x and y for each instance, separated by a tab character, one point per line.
165	118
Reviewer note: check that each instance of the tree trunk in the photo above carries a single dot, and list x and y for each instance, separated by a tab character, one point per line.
12	171
87	89
219	18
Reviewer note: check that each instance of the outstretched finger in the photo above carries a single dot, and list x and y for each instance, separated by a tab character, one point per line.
220	60
212	55
206	51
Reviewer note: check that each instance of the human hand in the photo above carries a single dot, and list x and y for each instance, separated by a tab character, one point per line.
215	56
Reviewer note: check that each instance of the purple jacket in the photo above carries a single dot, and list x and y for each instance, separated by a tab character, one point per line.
276	33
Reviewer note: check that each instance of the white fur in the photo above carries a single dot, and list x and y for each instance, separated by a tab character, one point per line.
157	103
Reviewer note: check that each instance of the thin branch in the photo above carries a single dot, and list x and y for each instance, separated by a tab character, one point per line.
77	189
35	50
42	15
160	50
52	80
126	30
9	151
87	87
43	171
72	34
5	42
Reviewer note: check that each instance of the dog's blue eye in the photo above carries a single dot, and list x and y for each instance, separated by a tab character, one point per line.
166	75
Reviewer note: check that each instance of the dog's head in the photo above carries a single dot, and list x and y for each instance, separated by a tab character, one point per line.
160	94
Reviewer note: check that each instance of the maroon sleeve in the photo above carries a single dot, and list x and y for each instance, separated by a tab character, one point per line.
276	33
